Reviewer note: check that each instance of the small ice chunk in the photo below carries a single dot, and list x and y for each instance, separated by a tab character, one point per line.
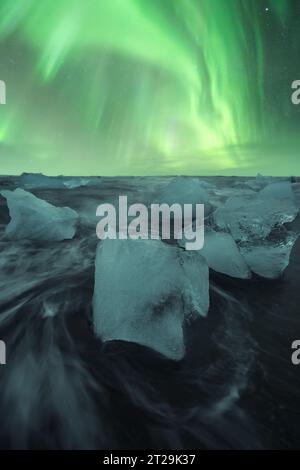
281	190
78	182
264	179
205	184
35	219
75	182
184	190
260	181
269	260
38	180
222	254
144	290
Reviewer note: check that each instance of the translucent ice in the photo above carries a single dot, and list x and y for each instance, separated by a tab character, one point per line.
75	182
185	190
222	254
38	180
35	219
281	190
269	260
144	290
253	217
260	181
72	183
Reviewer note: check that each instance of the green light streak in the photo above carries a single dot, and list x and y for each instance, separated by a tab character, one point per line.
138	86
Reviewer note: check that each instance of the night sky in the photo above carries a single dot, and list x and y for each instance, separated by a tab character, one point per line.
150	87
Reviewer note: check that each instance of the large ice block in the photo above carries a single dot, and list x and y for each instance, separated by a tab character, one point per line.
144	290
222	254
253	217
270	259
39	181
185	190
35	219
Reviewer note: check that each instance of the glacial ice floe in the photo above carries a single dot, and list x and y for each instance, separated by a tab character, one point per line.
183	190
280	190
38	181
222	254
79	182
144	290
254	216
259	181
35	219
269	260
247	233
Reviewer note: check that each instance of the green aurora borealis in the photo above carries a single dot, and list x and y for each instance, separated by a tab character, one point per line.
149	87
